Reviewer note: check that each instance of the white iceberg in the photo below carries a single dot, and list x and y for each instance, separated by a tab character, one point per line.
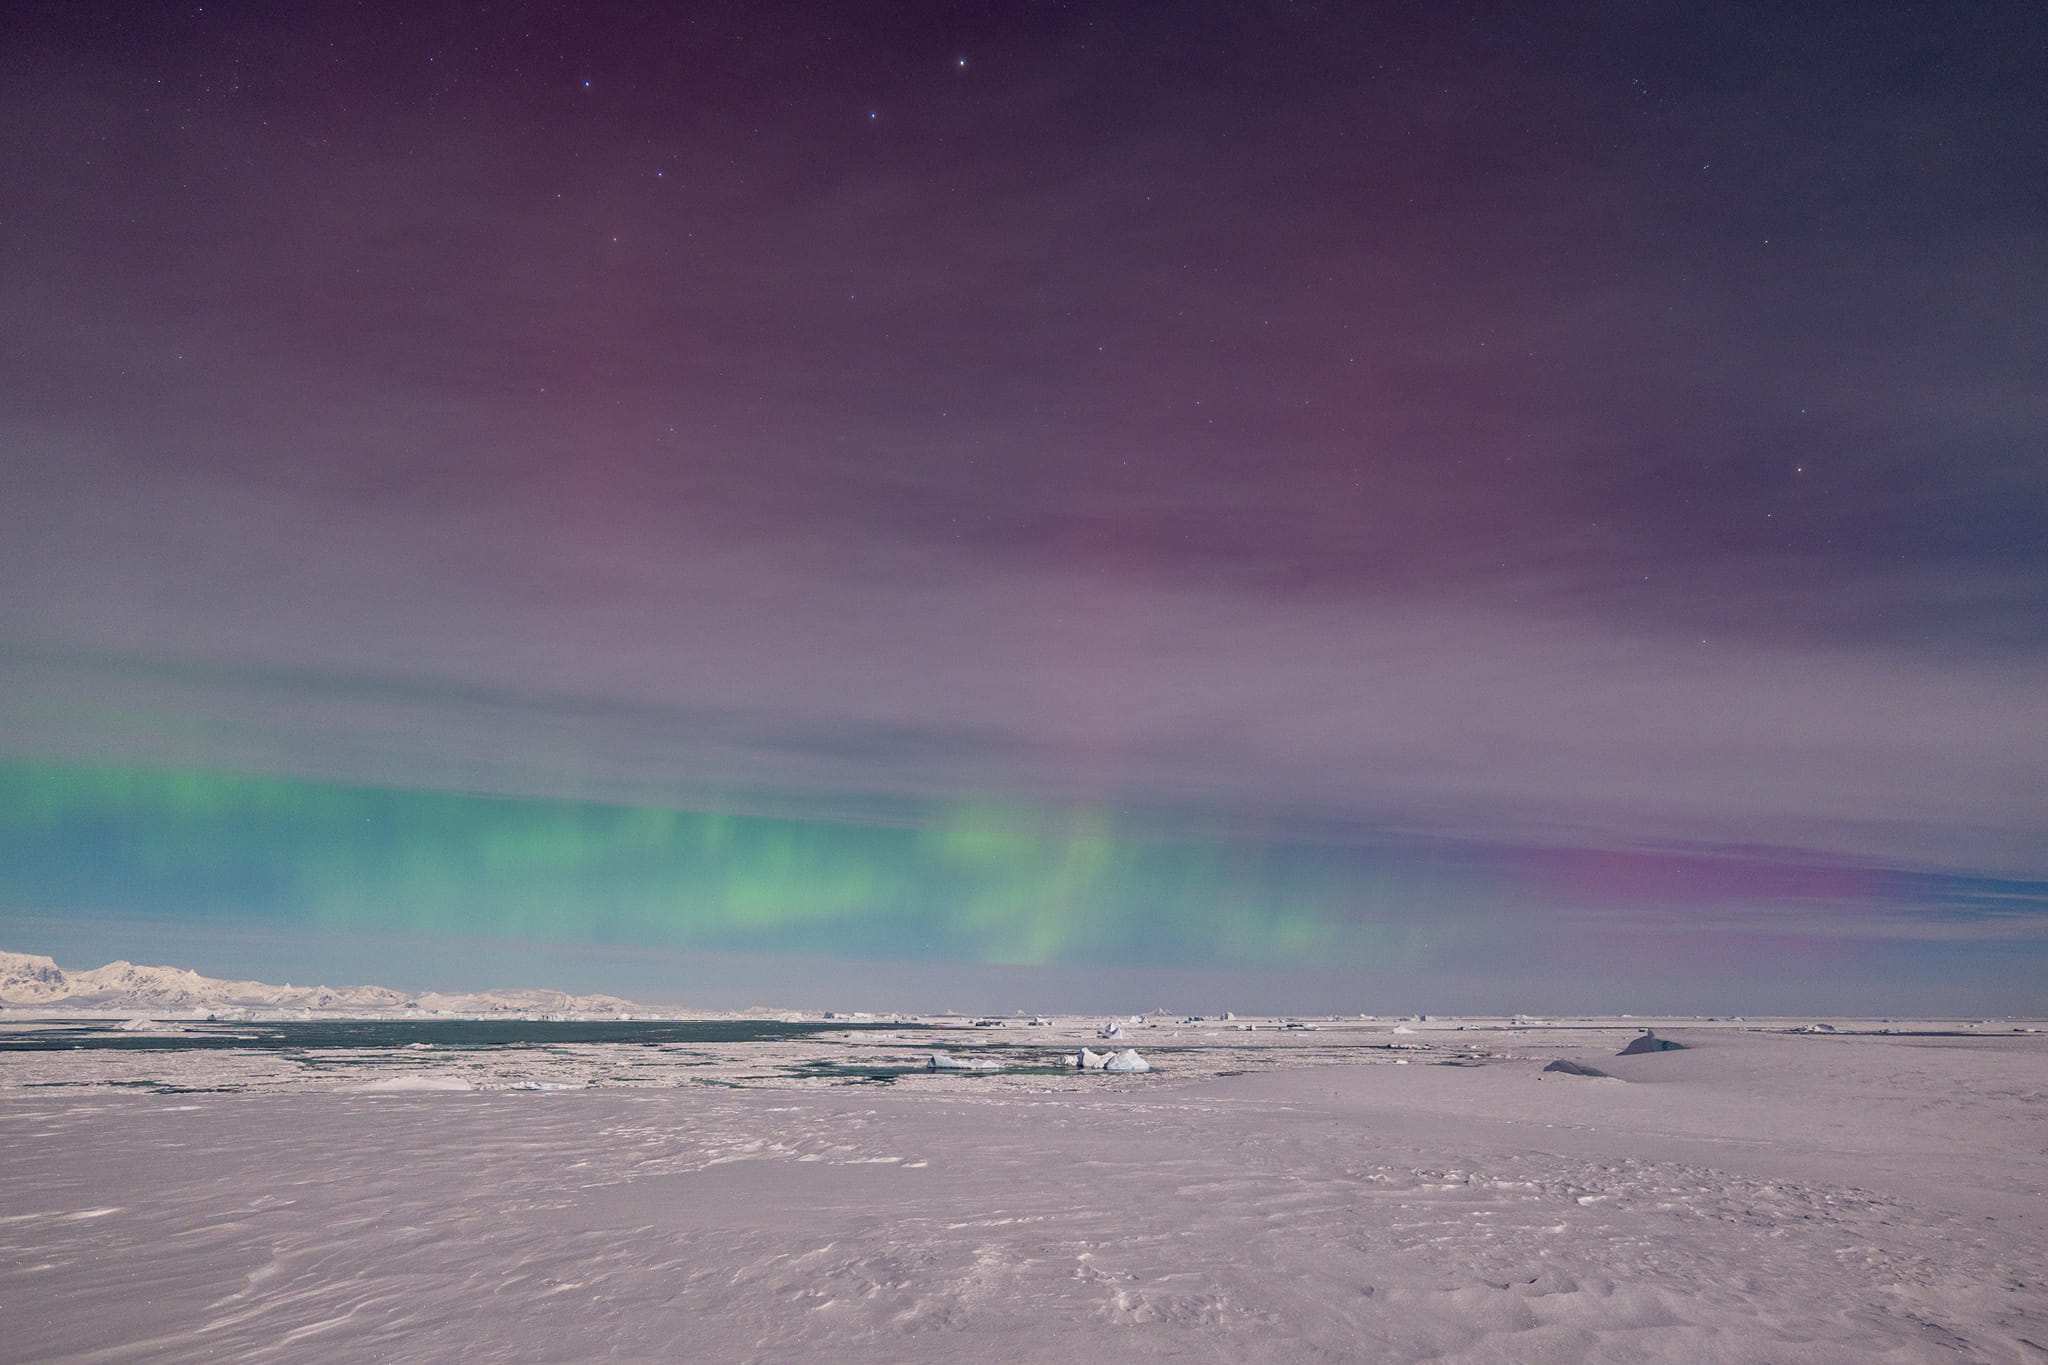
1127	1060
1112	1029
1088	1060
942	1062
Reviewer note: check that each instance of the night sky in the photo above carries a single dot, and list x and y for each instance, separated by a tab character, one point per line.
1020	504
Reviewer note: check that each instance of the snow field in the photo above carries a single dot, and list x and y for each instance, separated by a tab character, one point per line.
1720	1204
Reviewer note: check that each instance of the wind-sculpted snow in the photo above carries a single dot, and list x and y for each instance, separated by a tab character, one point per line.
1757	1197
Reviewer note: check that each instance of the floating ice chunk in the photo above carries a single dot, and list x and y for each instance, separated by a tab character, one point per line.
942	1062
150	1026
392	1085
1112	1029
537	1085
1127	1060
1088	1060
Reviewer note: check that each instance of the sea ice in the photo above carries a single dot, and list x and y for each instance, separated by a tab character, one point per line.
396	1084
536	1085
1573	1068
1766	1196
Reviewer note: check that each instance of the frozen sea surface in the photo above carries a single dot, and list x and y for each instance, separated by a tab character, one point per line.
326	1035
1760	1196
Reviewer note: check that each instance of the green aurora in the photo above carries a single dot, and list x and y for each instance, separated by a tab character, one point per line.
979	883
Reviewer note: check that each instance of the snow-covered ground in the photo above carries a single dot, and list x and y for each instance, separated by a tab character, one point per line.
1347	1193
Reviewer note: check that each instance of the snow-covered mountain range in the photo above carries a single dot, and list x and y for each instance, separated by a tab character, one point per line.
33	984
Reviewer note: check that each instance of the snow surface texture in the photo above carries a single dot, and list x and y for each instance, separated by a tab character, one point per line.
1759	1196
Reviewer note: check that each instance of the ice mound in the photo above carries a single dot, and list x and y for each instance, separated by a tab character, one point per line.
1573	1069
1089	1060
1127	1060
150	1026
942	1062
394	1085
1112	1030
1650	1042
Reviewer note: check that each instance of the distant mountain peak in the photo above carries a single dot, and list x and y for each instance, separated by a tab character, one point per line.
30	981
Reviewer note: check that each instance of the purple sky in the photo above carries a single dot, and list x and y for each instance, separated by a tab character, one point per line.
1610	428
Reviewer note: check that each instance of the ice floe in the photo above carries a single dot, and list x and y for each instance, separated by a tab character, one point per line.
392	1085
